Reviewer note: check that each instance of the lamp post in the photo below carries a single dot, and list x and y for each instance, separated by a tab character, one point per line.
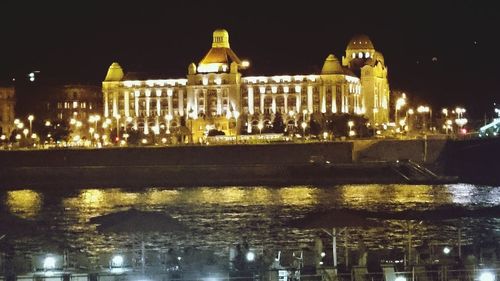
424	109
304	126
400	102
260	126
236	115
409	113
117	116
168	118
31	118
350	123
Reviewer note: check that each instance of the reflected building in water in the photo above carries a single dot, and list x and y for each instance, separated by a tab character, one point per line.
216	95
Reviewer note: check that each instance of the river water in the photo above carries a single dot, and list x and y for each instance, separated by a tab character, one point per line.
220	217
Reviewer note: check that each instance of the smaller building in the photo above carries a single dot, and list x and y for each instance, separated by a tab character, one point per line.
7	113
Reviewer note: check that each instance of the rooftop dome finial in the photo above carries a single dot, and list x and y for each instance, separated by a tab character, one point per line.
221	39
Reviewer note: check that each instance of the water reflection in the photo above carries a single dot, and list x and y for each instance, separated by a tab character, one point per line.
222	216
24	203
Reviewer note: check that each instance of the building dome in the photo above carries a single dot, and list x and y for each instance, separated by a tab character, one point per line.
360	42
332	66
220	39
115	73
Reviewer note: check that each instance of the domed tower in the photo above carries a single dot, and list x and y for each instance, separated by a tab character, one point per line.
368	64
110	89
220	56
358	51
115	73
332	66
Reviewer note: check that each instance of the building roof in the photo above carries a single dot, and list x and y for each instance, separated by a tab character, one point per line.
115	73
220	55
360	42
332	66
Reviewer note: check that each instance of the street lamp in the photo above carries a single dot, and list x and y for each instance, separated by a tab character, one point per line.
117	116
304	126
423	109
350	123
260	126
236	114
168	118
31	118
409	113
400	102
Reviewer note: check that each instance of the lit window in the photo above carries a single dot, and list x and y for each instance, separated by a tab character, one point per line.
367	55
59	105
83	105
75	104
353	55
360	55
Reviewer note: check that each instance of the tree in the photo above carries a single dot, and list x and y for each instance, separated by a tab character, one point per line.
215	132
278	125
314	127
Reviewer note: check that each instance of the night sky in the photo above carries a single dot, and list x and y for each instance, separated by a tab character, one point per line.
442	53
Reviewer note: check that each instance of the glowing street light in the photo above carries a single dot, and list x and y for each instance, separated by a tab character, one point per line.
117	116
117	261
424	109
260	126
400	102
250	256
49	263
446	250
487	276
31	118
168	118
350	123
304	126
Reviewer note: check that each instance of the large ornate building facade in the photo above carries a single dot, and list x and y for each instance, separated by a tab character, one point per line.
215	92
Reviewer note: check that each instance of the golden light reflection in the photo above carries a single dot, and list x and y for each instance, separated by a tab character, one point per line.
298	195
398	193
24	203
160	197
209	195
91	198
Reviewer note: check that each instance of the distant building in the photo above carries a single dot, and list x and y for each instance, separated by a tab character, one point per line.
52	103
7	105
73	102
215	92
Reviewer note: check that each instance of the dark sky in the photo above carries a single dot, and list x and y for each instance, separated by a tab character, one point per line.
72	41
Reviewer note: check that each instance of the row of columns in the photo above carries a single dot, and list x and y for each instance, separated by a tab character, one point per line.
357	101
136	96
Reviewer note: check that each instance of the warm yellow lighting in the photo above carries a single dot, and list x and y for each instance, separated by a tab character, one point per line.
31	118
24	203
245	64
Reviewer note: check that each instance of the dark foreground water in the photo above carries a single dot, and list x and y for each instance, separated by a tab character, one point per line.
220	217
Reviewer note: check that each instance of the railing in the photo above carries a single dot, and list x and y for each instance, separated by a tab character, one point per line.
416	274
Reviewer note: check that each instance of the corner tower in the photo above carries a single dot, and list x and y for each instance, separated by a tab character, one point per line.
368	64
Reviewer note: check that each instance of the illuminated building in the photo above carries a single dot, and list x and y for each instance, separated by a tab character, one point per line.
7	103
215	94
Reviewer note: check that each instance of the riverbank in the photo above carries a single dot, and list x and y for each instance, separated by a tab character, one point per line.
363	161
